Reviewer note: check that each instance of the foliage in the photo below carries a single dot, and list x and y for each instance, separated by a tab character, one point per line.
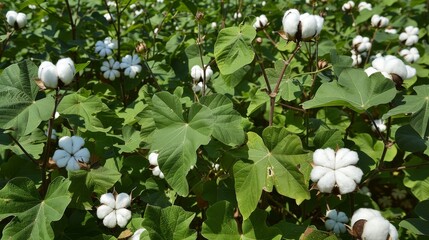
231	151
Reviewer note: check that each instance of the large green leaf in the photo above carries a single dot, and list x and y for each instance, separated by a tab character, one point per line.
32	215
170	223
86	108
416	225
227	127
409	140
233	48
255	228
220	223
418	106
83	183
354	90
267	163
417	179
176	139
18	106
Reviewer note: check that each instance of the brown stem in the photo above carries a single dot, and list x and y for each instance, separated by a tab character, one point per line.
269	37
293	108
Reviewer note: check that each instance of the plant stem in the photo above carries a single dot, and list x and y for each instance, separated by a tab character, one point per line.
74	38
200	50
369	50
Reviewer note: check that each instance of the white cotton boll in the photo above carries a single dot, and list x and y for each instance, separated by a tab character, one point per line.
332	214
110	220
156	171
161	175
396	66
123	200
393	232
364	5
21	20
379	21
348	6
410	55
411	72
352	172
103	211
376	228
209	73
72	164
317	172
11	17
82	155
198	87
153	158
345	157
380	125
327	182
345	183
324	157
391	31
369	71
66	143
48	74
357	59
214	25
260	22
319	23
364	213
290	23
77	143
237	15
108	199
137	233
342	217
61	158
66	70
123	215
196	72
308	26
330	224
411	40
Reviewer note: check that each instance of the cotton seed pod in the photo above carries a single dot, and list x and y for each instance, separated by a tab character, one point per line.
291	21
196	72
11	17
260	22
21	20
153	159
48	74
66	70
368	224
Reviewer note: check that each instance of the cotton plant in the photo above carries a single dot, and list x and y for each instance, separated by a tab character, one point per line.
72	153
260	22
335	221
378	21
410	36
301	27
335	169
15	19
131	66
110	69
63	71
367	223
153	161
392	68
410	55
105	48
113	209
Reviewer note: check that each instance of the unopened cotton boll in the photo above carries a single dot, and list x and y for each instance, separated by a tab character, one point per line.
348	6
260	22
66	70
48	74
379	21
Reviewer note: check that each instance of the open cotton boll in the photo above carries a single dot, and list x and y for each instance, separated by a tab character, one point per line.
11	17
123	200
103	211
260	22
327	182
66	70
308	26
393	233
48	74
290	23
21	20
324	157
336	221
137	233
411	72
196	72
376	228
123	215
379	21
345	157
61	158
344	182
364	213
153	158
348	6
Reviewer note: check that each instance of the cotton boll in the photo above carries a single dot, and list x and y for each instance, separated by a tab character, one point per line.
196	72
364	213
352	172
348	6
11	17
209	73
161	175
342	217
396	66
319	23
393	232
324	157
21	20
369	71
82	155
260	22
290	23
48	74
103	211
66	70
308	26
110	220
66	143
77	143
345	157
136	235
72	164
153	159
330	224
318	172
156	171
376	228
123	215
123	200
379	21
108	199
411	72
61	158
344	183
327	182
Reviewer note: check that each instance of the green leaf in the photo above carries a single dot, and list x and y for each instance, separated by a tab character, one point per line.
417	179
170	223
132	140
18	105
83	183
409	140
268	163
416	225
418	106
233	79
255	227
340	62
354	90
32	215
81	66
220	223
233	48
312	233
289	230
227	126
85	107
328	138
422	210
176	139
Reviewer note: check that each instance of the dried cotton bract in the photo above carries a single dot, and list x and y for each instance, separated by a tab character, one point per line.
71	154
335	169
368	224
301	27
113	209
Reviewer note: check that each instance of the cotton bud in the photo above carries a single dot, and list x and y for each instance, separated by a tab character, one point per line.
379	21
261	22
361	44
66	70
368	224
48	74
410	55
348	6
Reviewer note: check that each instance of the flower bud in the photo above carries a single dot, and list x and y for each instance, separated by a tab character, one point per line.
66	70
